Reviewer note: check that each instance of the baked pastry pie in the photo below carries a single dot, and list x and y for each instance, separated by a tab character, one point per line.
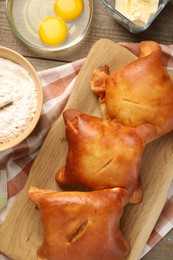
138	93
81	225
103	154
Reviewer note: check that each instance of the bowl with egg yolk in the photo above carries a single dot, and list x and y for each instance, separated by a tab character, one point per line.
54	26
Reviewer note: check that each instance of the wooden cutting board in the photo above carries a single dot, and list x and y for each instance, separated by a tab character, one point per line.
21	233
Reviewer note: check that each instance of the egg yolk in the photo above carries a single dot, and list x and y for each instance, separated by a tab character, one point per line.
53	30
69	10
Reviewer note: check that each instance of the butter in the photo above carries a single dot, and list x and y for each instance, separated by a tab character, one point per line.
137	11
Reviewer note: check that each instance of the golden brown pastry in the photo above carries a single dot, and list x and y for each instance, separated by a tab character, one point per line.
139	93
103	154
81	225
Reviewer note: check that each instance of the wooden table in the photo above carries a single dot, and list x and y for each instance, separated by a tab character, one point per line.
102	26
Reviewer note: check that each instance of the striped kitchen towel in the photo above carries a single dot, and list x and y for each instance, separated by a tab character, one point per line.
57	84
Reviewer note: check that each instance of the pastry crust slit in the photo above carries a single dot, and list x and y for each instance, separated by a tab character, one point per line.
80	230
105	165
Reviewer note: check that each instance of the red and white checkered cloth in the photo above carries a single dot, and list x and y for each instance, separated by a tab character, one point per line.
57	84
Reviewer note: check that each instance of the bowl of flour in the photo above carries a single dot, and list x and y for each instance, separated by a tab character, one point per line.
21	98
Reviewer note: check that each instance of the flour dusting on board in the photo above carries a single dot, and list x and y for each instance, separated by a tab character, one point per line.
18	100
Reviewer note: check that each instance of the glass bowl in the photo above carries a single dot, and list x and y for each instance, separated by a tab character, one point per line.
133	28
25	16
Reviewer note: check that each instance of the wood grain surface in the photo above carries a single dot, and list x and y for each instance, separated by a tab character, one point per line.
21	233
102	26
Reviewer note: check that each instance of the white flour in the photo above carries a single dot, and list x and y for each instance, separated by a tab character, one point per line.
18	100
